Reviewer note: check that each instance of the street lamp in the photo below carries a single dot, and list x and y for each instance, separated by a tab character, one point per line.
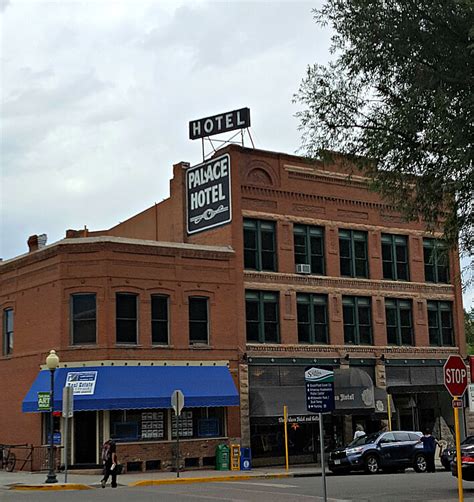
52	362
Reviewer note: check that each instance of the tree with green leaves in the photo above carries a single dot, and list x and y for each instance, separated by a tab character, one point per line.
469	329
398	100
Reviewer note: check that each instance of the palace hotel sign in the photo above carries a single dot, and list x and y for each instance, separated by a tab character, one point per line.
208	186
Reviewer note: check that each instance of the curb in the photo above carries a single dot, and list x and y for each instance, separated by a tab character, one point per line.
209	479
52	488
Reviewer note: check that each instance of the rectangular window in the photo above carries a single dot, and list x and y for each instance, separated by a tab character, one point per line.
262	316
259	245
8	331
398	315
126	317
159	320
198	320
436	256
440	324
353	256
309	247
84	318
357	320
395	257
160	424
312	318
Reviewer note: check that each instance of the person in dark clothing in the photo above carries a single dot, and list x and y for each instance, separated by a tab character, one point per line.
109	460
429	449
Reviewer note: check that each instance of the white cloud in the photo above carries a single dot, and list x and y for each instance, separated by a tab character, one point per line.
97	96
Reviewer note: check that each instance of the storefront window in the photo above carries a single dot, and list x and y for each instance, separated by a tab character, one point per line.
159	425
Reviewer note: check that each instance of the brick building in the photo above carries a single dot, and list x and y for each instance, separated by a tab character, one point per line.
235	288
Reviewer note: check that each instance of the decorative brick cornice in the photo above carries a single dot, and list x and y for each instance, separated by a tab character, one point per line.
255	349
265	192
268	280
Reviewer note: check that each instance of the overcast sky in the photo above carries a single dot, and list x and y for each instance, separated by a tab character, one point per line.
97	96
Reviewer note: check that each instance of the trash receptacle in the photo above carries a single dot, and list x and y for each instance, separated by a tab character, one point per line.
222	457
245	459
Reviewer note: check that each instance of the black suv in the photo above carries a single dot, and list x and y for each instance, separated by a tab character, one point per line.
394	450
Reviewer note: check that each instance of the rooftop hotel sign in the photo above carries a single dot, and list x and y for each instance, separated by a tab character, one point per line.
217	124
208	195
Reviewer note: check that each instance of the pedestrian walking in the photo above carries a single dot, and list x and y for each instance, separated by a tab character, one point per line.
109	460
429	449
359	432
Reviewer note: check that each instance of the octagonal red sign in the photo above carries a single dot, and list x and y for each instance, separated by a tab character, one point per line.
455	375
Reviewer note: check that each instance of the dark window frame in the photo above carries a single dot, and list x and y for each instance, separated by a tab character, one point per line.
438	330
120	321
311	302
357	303
397	268
8	331
196	323
399	306
157	322
76	321
310	234
258	254
263	325
352	237
436	261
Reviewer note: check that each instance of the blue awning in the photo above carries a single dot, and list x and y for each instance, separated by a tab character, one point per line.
136	387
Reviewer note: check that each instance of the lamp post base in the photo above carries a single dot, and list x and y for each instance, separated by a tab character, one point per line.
51	478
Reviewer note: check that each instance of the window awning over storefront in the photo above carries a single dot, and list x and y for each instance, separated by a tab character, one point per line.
354	392
136	387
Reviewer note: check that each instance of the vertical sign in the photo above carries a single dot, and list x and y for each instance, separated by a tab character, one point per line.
44	401
208	197
319	390
320	399
177	403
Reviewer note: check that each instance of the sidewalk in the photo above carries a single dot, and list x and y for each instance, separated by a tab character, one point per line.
35	481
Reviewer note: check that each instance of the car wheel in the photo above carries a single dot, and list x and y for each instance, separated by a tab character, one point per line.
419	463
371	464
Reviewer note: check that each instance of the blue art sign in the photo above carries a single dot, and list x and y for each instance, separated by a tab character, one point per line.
319	390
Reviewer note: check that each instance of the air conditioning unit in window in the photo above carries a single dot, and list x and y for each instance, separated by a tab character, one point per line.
303	268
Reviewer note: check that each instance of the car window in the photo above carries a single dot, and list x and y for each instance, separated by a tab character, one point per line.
414	436
369	438
401	436
468	440
388	437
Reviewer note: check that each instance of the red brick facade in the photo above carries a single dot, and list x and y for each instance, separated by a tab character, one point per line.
151	254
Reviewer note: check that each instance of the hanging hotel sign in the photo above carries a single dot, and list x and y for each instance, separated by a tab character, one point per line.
208	195
82	382
217	124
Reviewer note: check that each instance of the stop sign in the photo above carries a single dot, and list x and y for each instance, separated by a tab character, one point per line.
455	375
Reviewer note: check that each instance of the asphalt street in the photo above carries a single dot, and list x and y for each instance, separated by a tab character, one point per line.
409	486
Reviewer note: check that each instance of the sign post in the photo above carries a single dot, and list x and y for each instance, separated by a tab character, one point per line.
177	403
285	421
320	399
455	380
68	412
